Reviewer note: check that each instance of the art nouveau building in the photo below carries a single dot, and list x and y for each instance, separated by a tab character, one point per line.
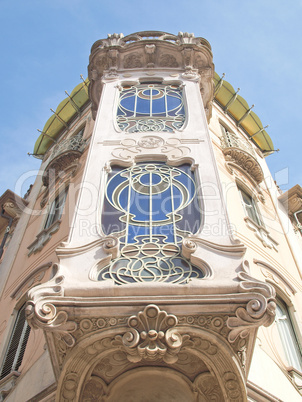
154	258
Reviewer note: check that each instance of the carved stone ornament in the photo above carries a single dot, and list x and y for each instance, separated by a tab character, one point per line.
208	388
152	336
172	148
260	310
152	49
95	390
7	384
13	205
246	161
262	234
43	314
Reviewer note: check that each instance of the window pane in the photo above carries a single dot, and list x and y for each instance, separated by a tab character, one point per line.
56	209
249	206
288	337
17	344
158	210
150	107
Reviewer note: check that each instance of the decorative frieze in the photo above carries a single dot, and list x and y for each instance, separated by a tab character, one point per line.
151	50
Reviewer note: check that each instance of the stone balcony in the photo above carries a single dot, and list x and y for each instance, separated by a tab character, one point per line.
239	151
64	154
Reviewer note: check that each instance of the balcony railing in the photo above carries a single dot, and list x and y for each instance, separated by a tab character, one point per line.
64	154
75	143
232	140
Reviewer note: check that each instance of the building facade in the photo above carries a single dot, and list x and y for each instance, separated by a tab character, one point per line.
154	258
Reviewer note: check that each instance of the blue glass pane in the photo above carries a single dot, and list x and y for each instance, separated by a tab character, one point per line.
173	103
165	230
123	198
143	107
159	107
140	207
128	104
134	231
161	206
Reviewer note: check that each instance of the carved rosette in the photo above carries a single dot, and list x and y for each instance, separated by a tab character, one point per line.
147	50
152	336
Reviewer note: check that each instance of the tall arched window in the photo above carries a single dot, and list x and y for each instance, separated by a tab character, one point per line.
151	207
150	107
288	336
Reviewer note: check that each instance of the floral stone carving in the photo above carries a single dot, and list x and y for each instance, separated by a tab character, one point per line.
152	336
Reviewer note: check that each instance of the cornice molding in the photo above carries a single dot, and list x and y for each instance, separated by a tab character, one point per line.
151	50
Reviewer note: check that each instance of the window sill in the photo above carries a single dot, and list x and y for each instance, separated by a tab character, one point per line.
7	384
262	234
43	237
296	376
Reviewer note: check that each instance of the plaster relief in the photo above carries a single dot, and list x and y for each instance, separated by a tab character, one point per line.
152	336
171	147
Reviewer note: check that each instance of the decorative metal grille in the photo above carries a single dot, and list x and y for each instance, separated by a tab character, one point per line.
75	143
151	208
232	140
150	107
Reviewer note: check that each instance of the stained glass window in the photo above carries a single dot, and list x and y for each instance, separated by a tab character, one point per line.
151	207
150	107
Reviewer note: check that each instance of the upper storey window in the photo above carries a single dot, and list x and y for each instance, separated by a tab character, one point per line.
17	344
288	337
250	207
151	208
150	107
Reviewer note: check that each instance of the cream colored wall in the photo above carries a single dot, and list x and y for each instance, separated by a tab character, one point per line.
20	266
280	267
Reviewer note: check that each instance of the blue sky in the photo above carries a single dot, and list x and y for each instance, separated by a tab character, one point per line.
45	47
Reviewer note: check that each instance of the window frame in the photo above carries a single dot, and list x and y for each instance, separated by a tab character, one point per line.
226	132
255	215
148	122
288	336
52	215
160	255
7	366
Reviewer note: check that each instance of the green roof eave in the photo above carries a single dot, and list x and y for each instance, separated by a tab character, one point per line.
64	113
239	109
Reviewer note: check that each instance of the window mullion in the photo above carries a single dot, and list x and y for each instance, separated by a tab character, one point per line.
128	206
135	101
150	205
172	207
